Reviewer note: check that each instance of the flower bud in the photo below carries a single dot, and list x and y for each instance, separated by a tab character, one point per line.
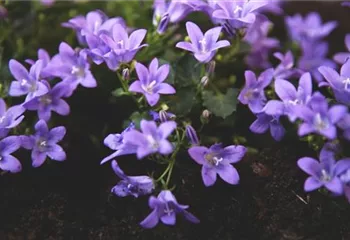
163	24
206	114
126	74
204	81
192	135
163	116
211	67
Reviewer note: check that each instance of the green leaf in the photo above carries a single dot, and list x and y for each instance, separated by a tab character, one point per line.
188	71
136	117
222	105
171	77
119	92
182	102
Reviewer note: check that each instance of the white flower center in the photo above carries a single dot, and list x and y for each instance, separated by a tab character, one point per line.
46	100
203	44
213	159
294	102
237	9
2	119
78	71
24	82
168	210
120	43
149	88
346	83
153	143
325	176
43	144
319	123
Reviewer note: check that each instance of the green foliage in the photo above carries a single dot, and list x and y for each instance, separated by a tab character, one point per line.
221	105
188	71
182	103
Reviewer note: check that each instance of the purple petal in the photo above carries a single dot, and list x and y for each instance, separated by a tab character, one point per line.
169	219
198	154
335	186
337	112
38	158
274	107
166	128
142	73
17	90
152	99
41	127
10	163
228	173
119	33
165	147
330	132
221	44
56	134
331	76
285	90
233	154
18	70
162	73
118	171
208	176
136	87
186	46
151	220
305	129
136	38
341	166
190	217
2	107
89	81
61	107
260	125
165	88
309	165
277	131
250	78
212	36
345	69
305	83
44	114
57	153
9	145
265	78
27	142
312	184
195	34
135	137
204	57
341	57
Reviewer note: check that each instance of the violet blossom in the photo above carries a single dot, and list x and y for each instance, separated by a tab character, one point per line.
44	56
165	208
265	122
27	83
324	172
152	139
317	118
286	69
131	185
342	57
204	46
8	162
9	118
117	143
44	143
151	81
217	160
253	92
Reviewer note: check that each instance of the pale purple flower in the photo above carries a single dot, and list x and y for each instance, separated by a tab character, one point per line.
151	81
131	185
51	101
340	83
317	118
152	139
123	47
204	46
27	83
165	207
8	162
309	28
290	97
286	69
324	172
265	122
253	92
117	143
44	143
9	118
343	56
217	160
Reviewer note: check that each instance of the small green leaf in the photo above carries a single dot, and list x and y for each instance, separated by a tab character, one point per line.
136	117
183	101
188	71
119	92
222	105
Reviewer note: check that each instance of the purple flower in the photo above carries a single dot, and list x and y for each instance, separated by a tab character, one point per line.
290	97
217	160
344	124
165	207
162	116
309	28
9	118
192	135
324	172
131	185
123	48
318	118
238	14
73	68
52	101
286	68
345	4
8	162
44	143
345	179
343	56
340	83
117	143
152	139
204	46
253	92
28	83
151	81
44	56
264	122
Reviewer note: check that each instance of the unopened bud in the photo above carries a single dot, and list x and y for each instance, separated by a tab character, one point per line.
163	116
126	74
206	114
204	81
211	67
163	24
192	135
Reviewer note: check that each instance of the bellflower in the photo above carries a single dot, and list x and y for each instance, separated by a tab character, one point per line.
286	69
318	118
290	97
51	101
123	47
264	122
165	207
44	143
324	172
9	118
131	185
151	81
117	143
152	139
253	92
8	162
309	28
343	56
217	160
27	83
204	46
340	83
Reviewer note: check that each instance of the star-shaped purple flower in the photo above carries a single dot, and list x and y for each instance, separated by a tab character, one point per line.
151	81
265	122
44	143
131	185
324	172
152	139
204	46
165	207
286	68
217	160
8	162
9	118
253	92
